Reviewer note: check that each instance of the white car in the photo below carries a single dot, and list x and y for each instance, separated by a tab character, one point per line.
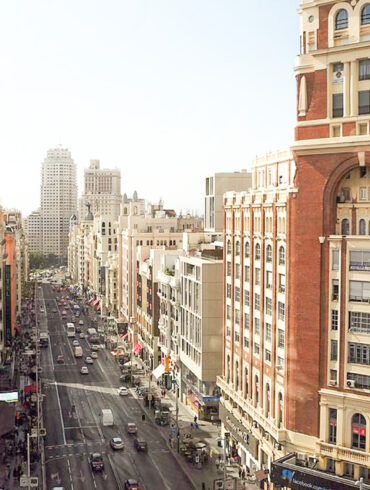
123	391
94	347
88	360
94	355
81	322
42	309
84	370
82	335
75	343
117	443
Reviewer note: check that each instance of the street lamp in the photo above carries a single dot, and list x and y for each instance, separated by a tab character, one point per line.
360	483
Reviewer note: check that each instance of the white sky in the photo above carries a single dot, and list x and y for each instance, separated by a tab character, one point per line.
168	91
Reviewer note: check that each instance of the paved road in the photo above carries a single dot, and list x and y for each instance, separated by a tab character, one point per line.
72	434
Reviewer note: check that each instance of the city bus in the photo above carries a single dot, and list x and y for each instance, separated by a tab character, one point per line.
71	331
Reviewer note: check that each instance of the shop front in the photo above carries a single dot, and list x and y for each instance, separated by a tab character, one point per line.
287	473
241	442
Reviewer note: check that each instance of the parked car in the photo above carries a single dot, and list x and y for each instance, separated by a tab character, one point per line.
96	462
140	445
94	355
117	443
123	391
88	360
131	484
60	359
131	428
84	370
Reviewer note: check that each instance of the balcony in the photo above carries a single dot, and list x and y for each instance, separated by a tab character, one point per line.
344	454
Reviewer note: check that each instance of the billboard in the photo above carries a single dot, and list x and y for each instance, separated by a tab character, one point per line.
9	396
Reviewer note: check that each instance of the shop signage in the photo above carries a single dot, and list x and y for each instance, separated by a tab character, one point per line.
211	398
239	432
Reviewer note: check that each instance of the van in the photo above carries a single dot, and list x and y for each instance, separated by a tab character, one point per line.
107	417
78	351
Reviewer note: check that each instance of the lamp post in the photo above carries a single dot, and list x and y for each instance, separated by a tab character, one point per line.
360	483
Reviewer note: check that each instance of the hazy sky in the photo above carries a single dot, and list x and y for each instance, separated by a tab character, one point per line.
168	91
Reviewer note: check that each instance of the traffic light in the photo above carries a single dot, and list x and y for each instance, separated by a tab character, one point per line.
168	381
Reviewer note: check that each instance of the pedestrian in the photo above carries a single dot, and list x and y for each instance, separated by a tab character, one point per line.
195	419
217	464
240	472
143	417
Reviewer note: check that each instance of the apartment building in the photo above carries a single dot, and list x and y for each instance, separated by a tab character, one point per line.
33	231
295	390
58	201
216	186
102	190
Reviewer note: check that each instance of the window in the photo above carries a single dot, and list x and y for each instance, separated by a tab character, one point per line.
335	289
359	291
237	316
237	271
268	332
228	268
365	15
281	338
247	249
256	349
333	350
330	465
345	226
268	306
333	425
246	342
246	321
236	337
338	105
362	227
246	297
269	279
228	290
228	312
364	102
281	311
282	283
237	248
341	20
280	408
246	273
237	294
257	255
267	355
333	375
257	276
359	260
334	319
257	301
281	256
361	380
364	69
269	253
359	353
335	260
363	193
358	431
359	322
228	247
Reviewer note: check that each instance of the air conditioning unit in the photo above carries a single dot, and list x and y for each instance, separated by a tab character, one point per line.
332	383
351	383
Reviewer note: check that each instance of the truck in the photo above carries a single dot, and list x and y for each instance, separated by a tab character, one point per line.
107	417
78	351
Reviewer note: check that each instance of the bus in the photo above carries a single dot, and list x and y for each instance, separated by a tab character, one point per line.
71	331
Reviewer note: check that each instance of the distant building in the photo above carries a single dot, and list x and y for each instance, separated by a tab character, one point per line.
58	201
216	186
33	231
102	190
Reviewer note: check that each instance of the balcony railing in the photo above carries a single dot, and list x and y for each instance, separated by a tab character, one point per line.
344	454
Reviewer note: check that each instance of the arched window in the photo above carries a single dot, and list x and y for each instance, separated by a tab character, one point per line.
358	431
256	390
257	254
345	226
281	255
341	19
365	15
247	250
237	247
269	253
228	247
246	384
267	401
280	410
362	227
237	376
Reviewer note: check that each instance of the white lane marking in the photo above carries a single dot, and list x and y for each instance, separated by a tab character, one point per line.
70	474
160	473
60	411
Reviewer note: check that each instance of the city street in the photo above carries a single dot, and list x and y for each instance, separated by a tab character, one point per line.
72	408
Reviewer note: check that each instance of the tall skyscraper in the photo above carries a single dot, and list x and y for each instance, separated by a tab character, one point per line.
58	200
102	190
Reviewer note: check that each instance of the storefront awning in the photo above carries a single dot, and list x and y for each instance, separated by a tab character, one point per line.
158	371
30	389
137	348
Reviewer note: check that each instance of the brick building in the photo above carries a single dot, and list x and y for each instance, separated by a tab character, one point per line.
322	420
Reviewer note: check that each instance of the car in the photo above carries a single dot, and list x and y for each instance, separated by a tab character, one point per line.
94	355
64	313
94	347
84	370
75	343
88	360
116	443
78	330
122	390
54	310
60	359
125	378
82	335
81	322
140	445
42	309
131	428
96	462
131	484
